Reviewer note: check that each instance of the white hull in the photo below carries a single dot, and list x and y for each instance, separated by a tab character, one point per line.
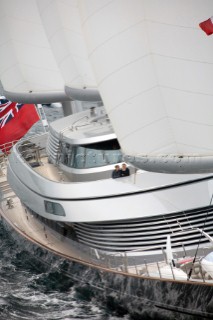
117	214
141	195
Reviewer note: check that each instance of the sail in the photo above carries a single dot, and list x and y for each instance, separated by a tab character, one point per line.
150	60
62	24
27	64
154	68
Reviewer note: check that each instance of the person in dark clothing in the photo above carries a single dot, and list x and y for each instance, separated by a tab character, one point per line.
116	173
124	170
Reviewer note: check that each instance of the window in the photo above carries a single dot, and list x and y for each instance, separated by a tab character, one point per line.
92	155
54	208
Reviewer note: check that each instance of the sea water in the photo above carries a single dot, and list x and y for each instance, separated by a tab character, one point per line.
30	291
27	290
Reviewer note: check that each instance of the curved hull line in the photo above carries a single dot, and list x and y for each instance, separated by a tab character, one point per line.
126	194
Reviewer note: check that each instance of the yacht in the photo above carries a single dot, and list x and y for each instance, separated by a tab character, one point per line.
139	241
65	175
62	199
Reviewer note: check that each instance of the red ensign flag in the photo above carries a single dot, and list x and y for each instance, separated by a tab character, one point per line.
15	120
207	26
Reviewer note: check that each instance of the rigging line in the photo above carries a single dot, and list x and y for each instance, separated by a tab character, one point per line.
190	271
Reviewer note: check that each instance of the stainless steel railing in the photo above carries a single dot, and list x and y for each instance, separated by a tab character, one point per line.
6	147
150	262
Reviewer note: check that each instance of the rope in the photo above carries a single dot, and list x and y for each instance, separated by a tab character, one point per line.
195	256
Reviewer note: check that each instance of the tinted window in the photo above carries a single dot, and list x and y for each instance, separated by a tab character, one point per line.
92	155
54	208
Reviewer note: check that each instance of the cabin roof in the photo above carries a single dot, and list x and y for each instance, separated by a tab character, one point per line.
89	126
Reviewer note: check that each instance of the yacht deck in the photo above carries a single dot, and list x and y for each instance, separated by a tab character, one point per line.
51	171
27	224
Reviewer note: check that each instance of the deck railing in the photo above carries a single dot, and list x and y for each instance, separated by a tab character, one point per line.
6	147
143	262
149	262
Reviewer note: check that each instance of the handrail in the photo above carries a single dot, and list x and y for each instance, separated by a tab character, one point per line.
139	266
29	150
184	230
78	120
5	147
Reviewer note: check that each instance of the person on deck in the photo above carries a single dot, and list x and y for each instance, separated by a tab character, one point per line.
124	170
116	173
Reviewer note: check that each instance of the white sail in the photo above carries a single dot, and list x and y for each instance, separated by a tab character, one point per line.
154	69
149	59
62	24
27	64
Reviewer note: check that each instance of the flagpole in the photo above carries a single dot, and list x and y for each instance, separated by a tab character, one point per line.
42	116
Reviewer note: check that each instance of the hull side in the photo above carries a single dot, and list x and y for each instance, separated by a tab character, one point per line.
141	298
